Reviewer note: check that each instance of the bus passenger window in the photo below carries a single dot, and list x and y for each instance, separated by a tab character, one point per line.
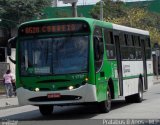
148	48
126	39
131	48
124	47
138	48
109	43
98	48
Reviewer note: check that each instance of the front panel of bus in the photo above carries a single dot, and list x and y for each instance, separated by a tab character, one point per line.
53	63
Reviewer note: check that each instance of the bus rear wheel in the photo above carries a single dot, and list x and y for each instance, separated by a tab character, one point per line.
139	96
46	109
105	106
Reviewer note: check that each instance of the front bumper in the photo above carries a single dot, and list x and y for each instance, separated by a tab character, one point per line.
87	93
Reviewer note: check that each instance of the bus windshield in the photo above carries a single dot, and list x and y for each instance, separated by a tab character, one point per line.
59	55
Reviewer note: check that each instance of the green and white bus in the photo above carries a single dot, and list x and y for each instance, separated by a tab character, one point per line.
69	61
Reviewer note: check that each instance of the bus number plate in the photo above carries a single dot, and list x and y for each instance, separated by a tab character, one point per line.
54	95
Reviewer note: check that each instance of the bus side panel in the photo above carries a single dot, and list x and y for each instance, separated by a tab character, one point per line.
150	73
131	73
116	88
110	70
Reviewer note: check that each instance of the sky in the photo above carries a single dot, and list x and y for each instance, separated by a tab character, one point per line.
86	2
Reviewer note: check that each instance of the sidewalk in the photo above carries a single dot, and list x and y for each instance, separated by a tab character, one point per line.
156	80
8	102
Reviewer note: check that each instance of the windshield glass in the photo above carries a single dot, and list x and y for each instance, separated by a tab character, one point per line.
61	55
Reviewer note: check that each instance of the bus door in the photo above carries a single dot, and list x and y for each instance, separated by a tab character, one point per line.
144	63
119	63
98	57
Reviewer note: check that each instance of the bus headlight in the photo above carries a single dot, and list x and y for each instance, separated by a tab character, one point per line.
86	79
37	89
70	87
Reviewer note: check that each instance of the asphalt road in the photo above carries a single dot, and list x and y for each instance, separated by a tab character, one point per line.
148	109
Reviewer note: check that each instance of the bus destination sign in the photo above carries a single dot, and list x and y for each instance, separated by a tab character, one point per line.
53	28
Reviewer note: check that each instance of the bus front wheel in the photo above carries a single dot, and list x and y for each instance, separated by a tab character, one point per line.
105	106
46	109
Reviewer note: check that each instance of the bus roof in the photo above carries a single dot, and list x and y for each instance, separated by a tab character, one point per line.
129	29
94	21
56	19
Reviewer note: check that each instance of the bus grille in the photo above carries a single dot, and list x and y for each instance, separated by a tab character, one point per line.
62	98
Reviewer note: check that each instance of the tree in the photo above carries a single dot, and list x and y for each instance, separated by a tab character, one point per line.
142	19
14	12
22	10
112	9
133	17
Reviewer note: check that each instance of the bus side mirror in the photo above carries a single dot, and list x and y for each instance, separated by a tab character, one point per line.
11	43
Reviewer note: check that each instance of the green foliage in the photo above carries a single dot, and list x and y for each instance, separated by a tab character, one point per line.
133	17
22	10
2	11
111	9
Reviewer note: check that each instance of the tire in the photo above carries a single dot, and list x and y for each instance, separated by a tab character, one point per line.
139	96
105	106
46	109
129	99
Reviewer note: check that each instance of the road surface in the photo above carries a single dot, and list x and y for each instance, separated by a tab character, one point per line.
148	109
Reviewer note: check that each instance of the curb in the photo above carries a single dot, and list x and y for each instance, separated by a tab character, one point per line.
158	82
2	93
8	107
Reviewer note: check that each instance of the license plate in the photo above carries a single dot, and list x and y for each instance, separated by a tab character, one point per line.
54	95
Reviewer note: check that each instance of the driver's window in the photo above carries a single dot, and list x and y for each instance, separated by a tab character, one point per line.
98	48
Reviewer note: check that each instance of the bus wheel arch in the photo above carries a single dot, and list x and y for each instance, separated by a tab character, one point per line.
111	86
139	95
142	81
105	106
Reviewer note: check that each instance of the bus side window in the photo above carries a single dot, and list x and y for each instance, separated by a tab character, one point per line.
109	43
138	48
98	47
148	48
124	47
133	40
131	48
